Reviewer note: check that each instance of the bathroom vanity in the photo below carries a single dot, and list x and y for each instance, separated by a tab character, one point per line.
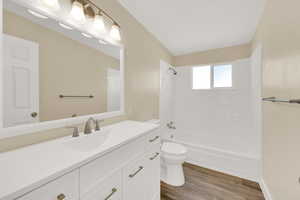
121	161
58	73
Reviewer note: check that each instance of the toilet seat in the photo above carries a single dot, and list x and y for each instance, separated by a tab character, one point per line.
173	148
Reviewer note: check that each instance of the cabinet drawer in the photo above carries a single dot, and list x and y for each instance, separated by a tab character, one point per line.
99	169
108	189
135	180
153	138
153	172
153	153
63	188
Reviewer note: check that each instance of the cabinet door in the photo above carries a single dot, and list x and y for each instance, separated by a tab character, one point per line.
108	189
63	188
98	169
153	173
135	180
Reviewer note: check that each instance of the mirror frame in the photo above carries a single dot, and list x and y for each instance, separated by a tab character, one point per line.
61	123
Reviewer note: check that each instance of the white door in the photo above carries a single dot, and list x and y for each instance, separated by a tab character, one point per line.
21	82
166	92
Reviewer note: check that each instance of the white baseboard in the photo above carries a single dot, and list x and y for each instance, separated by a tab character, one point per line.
232	163
265	189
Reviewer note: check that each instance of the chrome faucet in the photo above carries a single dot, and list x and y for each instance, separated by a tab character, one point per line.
88	129
97	122
75	131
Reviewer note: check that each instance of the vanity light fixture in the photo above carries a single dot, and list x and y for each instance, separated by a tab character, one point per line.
77	11
102	42
88	11
82	10
37	14
65	26
86	35
115	32
99	24
53	4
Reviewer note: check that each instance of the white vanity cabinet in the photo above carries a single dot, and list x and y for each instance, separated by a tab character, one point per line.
141	177
136	164
129	171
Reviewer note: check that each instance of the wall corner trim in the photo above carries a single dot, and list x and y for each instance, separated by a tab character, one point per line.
265	189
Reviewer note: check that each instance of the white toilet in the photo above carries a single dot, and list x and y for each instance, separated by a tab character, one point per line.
172	158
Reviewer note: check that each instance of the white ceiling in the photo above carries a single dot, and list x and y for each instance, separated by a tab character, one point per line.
185	26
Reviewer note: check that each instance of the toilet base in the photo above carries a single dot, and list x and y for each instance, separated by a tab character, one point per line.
173	175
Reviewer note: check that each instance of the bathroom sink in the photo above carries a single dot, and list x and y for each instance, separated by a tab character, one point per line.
85	143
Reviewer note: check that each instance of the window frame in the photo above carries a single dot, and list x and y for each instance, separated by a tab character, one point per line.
212	88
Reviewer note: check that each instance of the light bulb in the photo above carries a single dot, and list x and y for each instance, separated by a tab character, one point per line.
53	4
77	12
99	24
115	32
37	14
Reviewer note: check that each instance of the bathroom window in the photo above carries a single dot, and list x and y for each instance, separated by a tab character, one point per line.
201	78
222	76
210	77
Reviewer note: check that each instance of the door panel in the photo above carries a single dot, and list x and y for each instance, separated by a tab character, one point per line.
21	82
22	87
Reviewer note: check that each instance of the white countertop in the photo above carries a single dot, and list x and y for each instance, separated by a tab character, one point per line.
27	168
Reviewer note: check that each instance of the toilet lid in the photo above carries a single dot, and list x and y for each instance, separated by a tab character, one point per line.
173	148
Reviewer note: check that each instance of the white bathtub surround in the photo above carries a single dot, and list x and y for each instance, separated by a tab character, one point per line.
119	156
219	126
233	163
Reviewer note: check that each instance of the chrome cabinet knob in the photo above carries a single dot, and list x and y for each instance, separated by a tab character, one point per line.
61	197
34	114
113	191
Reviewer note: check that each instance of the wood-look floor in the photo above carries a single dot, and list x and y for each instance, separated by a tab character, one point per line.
205	184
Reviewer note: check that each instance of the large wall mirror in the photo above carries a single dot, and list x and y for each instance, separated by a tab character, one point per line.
53	69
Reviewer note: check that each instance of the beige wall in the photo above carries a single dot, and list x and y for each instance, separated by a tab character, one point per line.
279	33
223	55
143	54
82	72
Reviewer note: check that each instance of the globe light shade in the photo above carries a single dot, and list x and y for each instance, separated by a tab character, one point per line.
115	32
99	24
77	12
52	4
